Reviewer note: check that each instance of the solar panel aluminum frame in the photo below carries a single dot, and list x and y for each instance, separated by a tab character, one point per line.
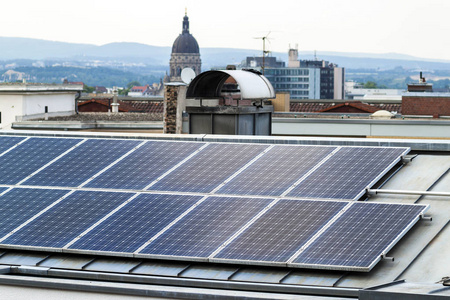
249	262
31	248
100	253
375	261
172	257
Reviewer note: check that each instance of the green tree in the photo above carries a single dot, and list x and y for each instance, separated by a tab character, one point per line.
133	83
88	89
370	85
123	92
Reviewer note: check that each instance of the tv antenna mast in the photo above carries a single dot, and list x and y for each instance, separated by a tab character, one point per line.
264	38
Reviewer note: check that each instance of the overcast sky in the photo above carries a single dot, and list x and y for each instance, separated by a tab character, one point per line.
413	27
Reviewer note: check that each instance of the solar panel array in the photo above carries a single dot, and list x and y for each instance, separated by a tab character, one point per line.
219	202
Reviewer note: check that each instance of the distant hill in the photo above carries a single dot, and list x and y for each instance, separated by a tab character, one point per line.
34	49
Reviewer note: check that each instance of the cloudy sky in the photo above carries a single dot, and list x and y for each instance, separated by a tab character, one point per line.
413	27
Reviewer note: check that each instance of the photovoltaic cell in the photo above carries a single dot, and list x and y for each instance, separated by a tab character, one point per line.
136	223
18	205
207	227
276	171
31	155
280	232
209	168
67	219
354	241
361	235
7	142
144	165
347	173
82	163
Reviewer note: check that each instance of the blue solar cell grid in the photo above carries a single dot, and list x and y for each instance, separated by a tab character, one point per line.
280	232
144	165
209	168
136	223
82	163
207	227
276	171
67	219
31	155
19	205
354	239
347	173
360	235
6	142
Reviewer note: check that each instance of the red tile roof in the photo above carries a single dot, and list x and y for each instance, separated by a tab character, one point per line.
139	88
123	107
351	107
309	107
149	107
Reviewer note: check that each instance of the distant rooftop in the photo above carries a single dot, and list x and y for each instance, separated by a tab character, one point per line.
38	87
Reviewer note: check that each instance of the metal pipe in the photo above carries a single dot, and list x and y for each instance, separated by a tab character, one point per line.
76	101
384	257
403	192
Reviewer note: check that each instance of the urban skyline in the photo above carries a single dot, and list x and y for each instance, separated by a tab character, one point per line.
344	26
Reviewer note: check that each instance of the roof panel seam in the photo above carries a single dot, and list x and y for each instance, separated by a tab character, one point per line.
243	228
162	231
175	167
243	168
36	215
319	233
312	170
101	220
112	164
52	161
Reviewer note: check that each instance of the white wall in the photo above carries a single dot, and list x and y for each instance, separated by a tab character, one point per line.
338	83
10	107
361	128
135	94
28	106
35	104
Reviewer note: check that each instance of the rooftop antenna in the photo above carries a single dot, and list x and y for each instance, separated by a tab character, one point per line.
264	38
315	55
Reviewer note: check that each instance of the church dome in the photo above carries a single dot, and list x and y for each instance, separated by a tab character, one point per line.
185	42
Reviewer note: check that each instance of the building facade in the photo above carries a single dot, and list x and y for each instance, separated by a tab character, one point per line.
24	101
185	53
308	79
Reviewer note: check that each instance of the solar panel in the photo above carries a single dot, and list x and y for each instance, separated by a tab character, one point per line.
135	223
31	155
6	142
348	173
276	171
280	232
144	165
82	163
67	219
182	222
18	205
209	168
208	226
360	236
